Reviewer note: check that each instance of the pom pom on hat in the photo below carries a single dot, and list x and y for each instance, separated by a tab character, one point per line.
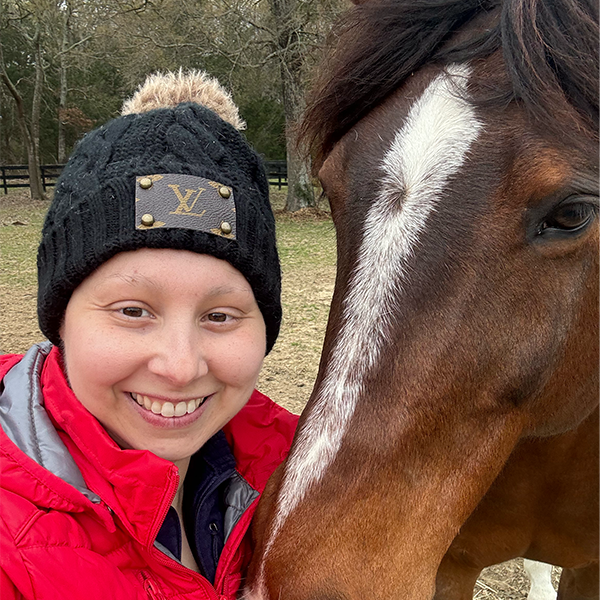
167	90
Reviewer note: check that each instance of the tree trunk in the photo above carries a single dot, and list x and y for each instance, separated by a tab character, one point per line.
289	52
62	99
300	190
36	103
35	179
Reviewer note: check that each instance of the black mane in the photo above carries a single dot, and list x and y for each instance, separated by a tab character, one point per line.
550	48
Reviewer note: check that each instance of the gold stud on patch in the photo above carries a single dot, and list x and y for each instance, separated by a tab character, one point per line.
145	183
224	192
226	227
147	220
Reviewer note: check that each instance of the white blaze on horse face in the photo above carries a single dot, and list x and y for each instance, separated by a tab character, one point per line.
429	149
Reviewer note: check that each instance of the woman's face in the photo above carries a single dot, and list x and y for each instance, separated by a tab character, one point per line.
163	347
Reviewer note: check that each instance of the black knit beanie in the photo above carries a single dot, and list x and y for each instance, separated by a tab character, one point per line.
194	163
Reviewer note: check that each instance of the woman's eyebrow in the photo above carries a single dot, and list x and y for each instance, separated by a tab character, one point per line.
224	290
130	279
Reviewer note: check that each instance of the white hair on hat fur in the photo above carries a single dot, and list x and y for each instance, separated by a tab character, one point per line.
167	90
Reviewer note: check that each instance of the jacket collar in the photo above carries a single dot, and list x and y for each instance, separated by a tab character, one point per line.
26	423
42	416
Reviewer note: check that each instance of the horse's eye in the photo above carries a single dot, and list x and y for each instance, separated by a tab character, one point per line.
569	217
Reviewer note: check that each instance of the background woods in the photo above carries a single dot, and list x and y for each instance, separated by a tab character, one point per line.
67	65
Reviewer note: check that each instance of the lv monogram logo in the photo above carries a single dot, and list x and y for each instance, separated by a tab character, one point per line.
184	207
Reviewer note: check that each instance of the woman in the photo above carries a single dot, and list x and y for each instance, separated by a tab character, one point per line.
134	447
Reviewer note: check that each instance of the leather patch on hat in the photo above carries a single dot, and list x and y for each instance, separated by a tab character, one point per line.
172	200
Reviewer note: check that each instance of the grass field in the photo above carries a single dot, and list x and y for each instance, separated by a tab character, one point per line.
307	248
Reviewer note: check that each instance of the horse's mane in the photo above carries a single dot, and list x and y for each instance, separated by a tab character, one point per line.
550	48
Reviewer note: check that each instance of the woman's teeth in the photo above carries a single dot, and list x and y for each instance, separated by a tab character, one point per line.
167	409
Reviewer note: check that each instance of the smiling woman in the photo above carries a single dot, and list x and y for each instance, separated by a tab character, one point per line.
134	446
163	362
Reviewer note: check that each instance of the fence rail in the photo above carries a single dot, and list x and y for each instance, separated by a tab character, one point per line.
17	176
276	172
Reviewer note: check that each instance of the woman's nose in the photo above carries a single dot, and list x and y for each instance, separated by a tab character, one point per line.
179	356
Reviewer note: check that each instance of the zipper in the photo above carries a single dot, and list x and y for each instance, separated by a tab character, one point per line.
203	583
165	509
213	528
151	590
162	558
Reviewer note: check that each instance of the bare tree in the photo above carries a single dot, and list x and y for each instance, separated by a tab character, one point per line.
63	78
290	56
30	127
294	30
279	36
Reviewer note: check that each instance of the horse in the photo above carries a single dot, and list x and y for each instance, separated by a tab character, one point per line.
453	423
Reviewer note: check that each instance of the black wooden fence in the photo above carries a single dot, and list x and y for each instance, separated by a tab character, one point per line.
16	176
277	172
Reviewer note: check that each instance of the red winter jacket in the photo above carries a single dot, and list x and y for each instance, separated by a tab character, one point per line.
79	516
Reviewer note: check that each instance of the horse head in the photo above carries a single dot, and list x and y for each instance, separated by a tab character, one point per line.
457	144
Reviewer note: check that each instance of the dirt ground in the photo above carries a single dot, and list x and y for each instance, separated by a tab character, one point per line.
289	370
